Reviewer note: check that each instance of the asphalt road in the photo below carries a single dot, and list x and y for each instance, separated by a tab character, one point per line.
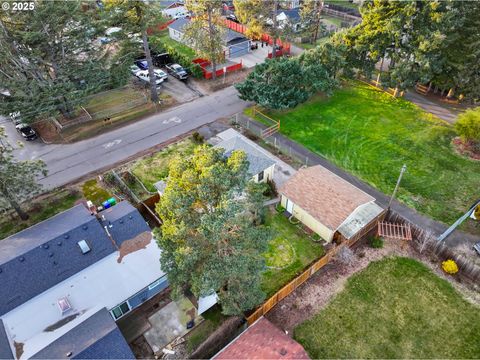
68	162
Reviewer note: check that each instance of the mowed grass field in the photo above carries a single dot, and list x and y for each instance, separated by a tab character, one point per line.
395	308
370	134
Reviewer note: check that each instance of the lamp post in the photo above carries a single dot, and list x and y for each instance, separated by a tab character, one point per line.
404	167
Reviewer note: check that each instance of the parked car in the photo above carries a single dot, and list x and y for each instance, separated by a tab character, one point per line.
476	247
233	18
160	76
177	71
142	64
15	117
134	69
26	131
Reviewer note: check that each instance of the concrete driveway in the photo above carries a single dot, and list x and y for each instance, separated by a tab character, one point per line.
179	90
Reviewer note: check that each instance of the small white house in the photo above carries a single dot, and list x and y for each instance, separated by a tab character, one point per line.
260	167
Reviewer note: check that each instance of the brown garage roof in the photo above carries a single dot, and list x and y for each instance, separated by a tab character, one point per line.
324	195
263	340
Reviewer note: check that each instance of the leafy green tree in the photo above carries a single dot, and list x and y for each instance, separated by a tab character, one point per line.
18	179
210	237
204	32
136	17
284	83
48	59
468	125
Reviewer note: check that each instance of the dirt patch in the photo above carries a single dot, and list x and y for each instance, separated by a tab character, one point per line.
467	149
210	86
316	293
47	131
137	243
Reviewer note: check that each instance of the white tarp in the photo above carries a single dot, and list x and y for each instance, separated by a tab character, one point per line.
206	302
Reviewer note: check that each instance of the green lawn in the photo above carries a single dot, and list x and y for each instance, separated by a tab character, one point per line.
370	134
344	3
395	308
290	251
39	210
154	168
94	192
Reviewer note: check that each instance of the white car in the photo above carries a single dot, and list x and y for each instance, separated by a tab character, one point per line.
160	76
134	69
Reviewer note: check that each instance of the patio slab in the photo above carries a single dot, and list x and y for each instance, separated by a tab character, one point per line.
170	322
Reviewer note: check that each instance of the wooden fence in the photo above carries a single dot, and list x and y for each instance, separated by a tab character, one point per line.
310	271
273	128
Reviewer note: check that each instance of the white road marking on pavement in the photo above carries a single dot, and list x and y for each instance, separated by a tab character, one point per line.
112	143
174	119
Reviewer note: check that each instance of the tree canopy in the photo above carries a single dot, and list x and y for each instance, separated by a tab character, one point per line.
286	82
48	59
211	237
18	179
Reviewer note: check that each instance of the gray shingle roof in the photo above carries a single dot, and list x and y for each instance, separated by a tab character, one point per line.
257	160
5	351
229	36
362	216
124	222
47	253
98	337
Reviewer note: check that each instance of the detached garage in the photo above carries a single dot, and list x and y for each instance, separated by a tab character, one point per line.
329	205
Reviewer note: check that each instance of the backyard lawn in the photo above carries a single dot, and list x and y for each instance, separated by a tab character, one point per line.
154	168
395	308
370	134
290	251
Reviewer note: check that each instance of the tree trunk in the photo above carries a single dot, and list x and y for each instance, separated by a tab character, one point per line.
212	45
317	12
14	204
381	69
151	73
275	30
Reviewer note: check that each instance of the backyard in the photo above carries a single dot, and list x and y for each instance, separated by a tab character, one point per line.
395	308
290	251
371	135
152	169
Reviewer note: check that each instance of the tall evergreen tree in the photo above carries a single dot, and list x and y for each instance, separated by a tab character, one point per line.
48	59
17	178
211	239
136	17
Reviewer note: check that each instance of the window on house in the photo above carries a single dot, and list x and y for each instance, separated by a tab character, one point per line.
260	176
83	246
120	310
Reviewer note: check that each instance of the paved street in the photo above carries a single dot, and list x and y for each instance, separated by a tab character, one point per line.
72	161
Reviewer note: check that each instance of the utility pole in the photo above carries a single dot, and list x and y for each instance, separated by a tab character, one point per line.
404	167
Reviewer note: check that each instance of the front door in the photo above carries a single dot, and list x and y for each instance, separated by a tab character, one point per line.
289	207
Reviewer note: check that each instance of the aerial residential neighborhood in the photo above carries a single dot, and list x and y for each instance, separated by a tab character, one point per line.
213	179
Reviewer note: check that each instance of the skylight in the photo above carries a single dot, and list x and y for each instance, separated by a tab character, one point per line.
64	305
83	246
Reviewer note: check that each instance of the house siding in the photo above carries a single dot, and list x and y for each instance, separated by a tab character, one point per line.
267	175
175	35
306	219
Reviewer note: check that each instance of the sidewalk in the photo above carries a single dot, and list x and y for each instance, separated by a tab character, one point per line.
430	106
422	221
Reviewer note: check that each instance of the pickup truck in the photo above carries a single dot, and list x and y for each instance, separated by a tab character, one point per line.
177	71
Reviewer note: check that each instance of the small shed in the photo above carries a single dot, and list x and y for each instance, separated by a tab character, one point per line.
160	186
329	205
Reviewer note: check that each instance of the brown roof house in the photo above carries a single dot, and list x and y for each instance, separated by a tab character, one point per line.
262	340
329	205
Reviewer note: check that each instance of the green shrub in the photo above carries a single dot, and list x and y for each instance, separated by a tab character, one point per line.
376	242
271	189
280	209
468	125
199	139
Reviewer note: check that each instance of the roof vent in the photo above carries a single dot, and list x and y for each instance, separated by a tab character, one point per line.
66	236
69	354
130	217
84	227
121	221
83	246
59	243
283	351
50	254
46	246
64	305
21	259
